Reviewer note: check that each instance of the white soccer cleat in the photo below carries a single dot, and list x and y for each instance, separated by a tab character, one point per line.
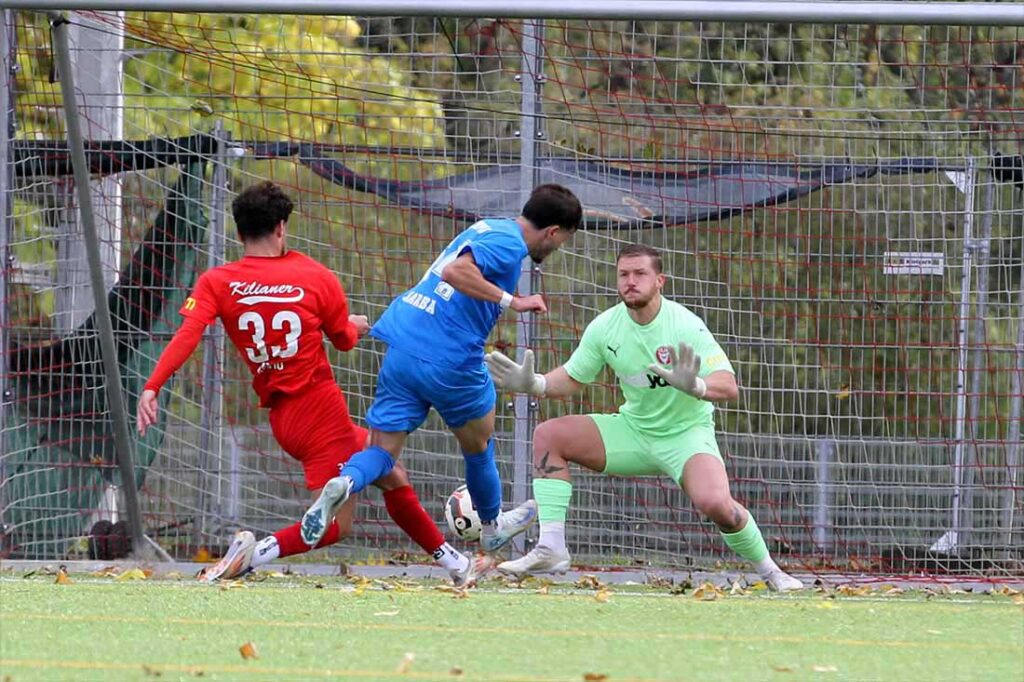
509	525
540	561
316	520
780	581
478	565
237	561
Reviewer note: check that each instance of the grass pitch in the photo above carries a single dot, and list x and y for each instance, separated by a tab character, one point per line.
102	628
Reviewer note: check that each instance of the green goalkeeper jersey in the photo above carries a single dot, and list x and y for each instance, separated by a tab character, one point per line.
652	405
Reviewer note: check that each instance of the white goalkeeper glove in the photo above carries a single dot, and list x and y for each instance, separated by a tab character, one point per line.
511	376
682	372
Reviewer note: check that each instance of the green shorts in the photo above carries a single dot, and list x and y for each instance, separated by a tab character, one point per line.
629	452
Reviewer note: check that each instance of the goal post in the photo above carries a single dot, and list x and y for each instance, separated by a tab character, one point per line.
839	200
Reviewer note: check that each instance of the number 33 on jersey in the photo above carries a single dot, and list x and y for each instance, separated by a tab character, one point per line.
276	311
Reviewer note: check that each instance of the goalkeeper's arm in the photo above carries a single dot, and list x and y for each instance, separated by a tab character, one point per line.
520	378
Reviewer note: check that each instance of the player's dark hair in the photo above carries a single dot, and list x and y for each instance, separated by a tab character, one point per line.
258	210
553	204
641	250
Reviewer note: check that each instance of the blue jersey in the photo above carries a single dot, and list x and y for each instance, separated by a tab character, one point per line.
433	321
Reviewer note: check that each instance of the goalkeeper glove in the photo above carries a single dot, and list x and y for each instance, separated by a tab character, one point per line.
683	371
510	375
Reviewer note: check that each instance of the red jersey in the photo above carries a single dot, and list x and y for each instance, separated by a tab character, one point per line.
276	311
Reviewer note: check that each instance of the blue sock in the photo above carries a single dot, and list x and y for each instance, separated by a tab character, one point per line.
366	466
483	482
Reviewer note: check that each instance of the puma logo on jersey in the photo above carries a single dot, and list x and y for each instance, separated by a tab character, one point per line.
615	351
254	292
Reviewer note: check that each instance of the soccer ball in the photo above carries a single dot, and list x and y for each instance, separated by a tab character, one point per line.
461	515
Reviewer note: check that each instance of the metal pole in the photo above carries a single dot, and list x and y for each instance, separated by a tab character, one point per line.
6	188
950	541
141	545
1013	434
530	77
982	248
823	495
790	12
213	348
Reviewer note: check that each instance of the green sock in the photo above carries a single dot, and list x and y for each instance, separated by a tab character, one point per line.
747	541
552	497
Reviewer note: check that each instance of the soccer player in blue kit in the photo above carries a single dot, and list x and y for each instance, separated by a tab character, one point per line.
436	333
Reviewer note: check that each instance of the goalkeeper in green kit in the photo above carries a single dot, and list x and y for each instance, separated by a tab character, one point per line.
671	371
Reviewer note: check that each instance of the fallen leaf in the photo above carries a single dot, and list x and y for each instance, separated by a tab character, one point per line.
594	677
934	632
708	592
173	575
455	671
1009	592
202	556
106	572
828	605
544	589
852	591
148	572
387	613
248	650
782	669
151	672
603	595
737	588
758	586
406	663
589	582
233	585
1018	599
892	591
62	577
461	594
132	574
658	581
824	668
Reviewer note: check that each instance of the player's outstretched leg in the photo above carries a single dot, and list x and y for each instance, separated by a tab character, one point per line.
404	507
573	438
484	487
237	561
705	481
362	469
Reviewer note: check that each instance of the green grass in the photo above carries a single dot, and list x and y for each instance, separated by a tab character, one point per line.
101	629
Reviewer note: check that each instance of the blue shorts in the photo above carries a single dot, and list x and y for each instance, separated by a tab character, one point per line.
408	386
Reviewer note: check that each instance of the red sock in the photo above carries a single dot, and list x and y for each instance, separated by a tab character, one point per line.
406	510
289	540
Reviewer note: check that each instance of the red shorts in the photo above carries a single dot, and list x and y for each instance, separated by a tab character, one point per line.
316	429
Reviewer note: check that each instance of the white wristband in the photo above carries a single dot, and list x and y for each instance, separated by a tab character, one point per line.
540	385
700	389
506	300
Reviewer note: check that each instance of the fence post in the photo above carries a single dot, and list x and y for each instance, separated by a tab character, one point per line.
6	264
142	546
530	133
213	345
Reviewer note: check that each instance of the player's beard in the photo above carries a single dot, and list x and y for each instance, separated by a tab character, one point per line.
539	253
638	302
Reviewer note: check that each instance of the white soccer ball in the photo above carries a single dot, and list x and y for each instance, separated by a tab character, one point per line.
461	515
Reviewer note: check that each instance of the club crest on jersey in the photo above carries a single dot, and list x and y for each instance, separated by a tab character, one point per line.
253	292
663	355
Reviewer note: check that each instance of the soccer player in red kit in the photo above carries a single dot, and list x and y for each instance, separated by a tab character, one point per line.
276	306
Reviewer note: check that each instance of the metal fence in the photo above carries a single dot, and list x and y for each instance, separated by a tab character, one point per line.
840	202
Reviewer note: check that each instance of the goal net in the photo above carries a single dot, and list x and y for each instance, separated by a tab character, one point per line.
841	204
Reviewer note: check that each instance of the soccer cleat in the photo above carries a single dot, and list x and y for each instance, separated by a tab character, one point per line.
235	562
780	581
509	525
320	515
541	560
479	564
